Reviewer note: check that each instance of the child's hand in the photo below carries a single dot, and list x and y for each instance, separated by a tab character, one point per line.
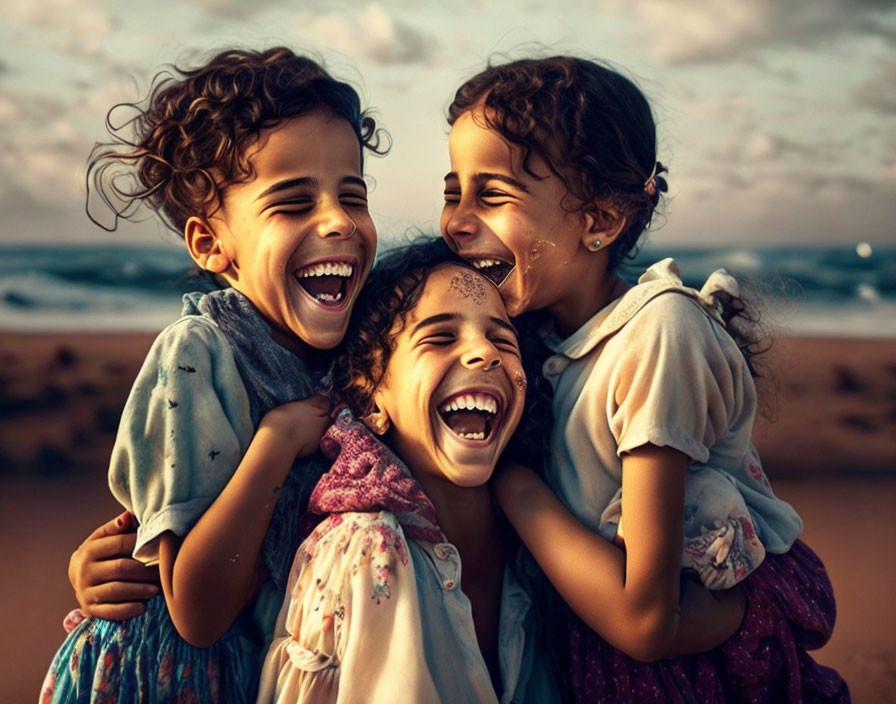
108	583
708	617
300	423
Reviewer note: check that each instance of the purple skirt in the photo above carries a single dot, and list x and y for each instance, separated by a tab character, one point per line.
790	609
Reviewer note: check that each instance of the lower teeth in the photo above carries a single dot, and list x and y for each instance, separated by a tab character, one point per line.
472	436
328	298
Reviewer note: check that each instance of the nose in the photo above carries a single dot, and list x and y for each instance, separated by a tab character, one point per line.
459	222
482	355
335	223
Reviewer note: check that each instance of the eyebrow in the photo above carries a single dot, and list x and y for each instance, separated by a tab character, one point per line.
507	326
306	182
484	176
445	317
433	320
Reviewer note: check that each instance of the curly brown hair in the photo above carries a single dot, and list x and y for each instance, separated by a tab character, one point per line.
392	290
189	138
591	125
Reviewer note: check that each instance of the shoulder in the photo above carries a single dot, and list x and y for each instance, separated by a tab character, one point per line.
190	332
356	540
362	553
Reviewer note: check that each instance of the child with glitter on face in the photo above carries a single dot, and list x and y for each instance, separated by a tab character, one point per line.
256	159
554	176
409	590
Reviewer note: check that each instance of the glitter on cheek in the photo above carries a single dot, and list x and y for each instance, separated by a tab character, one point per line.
520	380
536	250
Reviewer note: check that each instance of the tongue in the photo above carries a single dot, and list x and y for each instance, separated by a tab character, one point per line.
466	421
316	285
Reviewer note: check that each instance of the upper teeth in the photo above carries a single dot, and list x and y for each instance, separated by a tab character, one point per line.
327	269
483	263
469	402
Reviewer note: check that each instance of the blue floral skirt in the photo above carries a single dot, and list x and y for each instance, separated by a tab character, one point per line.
144	660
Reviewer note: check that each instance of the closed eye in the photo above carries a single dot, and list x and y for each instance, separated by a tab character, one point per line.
293	206
353	200
507	344
494	197
452	196
440	339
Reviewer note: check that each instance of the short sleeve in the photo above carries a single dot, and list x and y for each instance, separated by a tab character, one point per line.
679	379
183	431
350	627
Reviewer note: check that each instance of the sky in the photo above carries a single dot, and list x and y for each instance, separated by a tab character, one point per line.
776	119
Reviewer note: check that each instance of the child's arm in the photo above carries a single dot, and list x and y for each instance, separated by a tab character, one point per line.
630	599
209	575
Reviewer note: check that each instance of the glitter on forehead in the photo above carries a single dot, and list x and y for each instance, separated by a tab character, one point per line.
469	285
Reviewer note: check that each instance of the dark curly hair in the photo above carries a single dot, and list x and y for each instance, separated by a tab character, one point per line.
592	126
392	290
189	137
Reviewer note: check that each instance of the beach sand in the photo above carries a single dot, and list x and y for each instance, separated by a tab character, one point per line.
830	451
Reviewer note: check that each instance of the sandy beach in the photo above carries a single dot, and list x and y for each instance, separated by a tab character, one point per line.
829	448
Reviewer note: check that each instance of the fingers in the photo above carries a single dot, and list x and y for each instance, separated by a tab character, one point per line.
112	593
117	612
122	523
107	547
122	569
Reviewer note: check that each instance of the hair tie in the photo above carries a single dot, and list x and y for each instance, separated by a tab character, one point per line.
650	183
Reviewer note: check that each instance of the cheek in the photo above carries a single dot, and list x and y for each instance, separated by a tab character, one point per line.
517	377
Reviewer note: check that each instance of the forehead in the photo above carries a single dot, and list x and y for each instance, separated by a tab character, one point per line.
471	139
313	144
475	147
458	290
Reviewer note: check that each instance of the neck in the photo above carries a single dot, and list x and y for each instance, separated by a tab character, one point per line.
600	286
296	345
466	515
468	520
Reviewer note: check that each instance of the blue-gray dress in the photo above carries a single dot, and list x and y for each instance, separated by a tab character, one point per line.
207	381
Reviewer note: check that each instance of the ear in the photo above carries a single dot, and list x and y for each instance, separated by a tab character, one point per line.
377	420
603	225
205	246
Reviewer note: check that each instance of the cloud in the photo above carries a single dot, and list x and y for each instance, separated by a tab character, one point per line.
720	30
374	34
236	9
879	93
74	27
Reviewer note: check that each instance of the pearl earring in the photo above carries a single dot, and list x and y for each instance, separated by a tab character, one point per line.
594	245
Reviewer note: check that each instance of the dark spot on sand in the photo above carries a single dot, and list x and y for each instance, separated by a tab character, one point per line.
846	381
213	454
188	370
171	404
88	389
65	357
49	459
862	424
107	418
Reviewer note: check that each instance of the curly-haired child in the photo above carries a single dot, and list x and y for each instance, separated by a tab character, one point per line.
256	159
554	176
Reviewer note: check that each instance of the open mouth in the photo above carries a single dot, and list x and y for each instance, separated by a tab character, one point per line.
494	269
326	282
470	415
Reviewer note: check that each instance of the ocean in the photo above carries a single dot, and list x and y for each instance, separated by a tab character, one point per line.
831	291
